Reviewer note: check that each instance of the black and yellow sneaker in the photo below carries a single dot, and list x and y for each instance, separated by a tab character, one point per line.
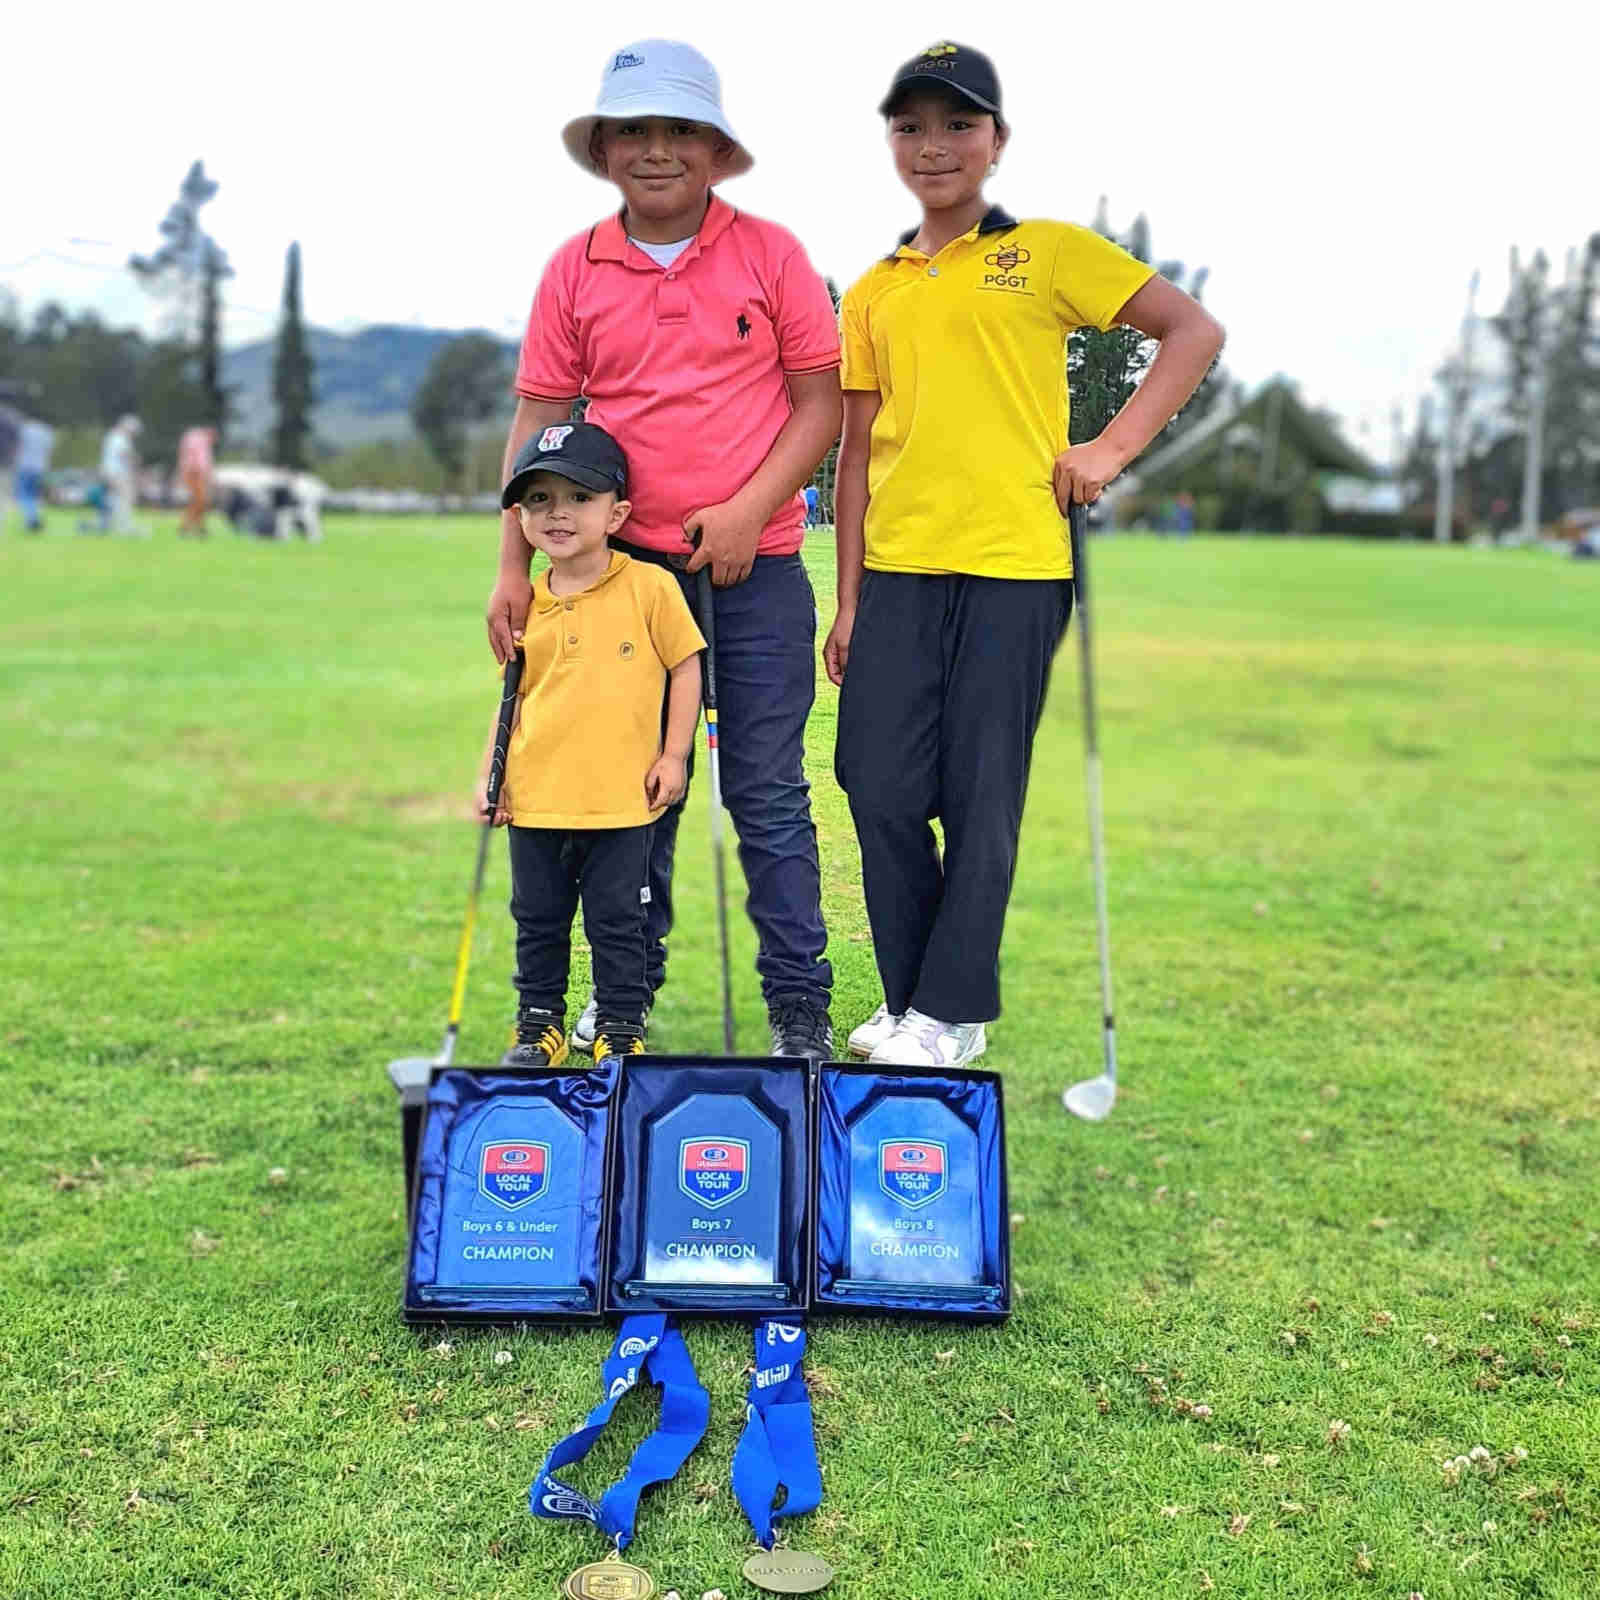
618	1039
541	1039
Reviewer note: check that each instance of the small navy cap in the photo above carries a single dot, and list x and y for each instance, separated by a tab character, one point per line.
579	451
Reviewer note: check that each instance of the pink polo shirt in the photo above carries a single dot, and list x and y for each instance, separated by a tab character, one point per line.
683	365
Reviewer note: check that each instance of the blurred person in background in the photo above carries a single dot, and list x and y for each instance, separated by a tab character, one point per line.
195	465
33	462
119	467
10	442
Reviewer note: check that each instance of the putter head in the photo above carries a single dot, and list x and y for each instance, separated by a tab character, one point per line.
410	1075
1092	1099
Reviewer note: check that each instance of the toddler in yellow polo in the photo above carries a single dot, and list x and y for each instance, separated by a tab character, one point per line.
589	767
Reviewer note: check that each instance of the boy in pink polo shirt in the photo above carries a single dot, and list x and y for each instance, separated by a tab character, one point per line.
706	344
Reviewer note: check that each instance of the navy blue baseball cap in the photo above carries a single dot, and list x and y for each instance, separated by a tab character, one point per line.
956	68
579	451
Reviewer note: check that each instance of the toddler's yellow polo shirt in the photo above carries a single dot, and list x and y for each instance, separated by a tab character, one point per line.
594	674
968	350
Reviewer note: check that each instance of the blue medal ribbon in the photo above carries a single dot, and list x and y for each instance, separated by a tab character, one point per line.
650	1347
778	1448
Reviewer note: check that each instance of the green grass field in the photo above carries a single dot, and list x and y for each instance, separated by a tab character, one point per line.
1344	1226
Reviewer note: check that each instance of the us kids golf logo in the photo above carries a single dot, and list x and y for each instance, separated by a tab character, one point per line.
552	438
714	1171
513	1172
912	1173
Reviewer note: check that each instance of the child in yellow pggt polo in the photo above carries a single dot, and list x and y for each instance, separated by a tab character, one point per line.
954	561
588	768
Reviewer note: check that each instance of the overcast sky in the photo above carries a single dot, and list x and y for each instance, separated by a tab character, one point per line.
1341	169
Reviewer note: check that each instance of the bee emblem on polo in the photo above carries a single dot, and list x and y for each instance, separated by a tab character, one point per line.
1008	259
625	650
1005	262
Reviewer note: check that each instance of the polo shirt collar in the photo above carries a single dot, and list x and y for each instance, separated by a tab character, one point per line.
608	240
544	600
995	220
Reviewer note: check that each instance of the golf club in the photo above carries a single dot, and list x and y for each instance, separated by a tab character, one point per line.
411	1069
706	604
1094	1097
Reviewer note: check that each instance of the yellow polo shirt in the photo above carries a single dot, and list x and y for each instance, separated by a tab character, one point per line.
969	351
595	670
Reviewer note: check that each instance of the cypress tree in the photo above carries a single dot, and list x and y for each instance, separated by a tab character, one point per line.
291	374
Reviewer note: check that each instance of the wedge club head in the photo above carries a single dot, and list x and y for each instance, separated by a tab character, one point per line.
1092	1099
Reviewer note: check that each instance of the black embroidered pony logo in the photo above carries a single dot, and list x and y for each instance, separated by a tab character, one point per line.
743	326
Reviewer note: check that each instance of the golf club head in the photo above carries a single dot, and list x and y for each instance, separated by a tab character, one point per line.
1092	1099
412	1072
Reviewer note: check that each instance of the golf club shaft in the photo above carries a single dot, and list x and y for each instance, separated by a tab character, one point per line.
1077	523
497	774
708	695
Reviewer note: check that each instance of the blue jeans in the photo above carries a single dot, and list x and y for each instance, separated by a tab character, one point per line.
30	487
766	682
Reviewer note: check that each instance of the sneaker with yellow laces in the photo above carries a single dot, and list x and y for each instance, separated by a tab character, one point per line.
541	1039
617	1039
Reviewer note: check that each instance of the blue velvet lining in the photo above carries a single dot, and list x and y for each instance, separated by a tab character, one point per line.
456	1102
843	1098
651	1090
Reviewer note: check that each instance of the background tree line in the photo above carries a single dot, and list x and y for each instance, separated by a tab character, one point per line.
80	375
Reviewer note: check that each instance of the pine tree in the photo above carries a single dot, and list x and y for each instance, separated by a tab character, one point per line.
291	374
214	268
1104	368
188	269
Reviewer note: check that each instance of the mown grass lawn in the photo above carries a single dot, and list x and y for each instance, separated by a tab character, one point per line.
1344	1226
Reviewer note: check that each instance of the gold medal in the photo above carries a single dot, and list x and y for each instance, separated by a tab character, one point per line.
611	1579
788	1571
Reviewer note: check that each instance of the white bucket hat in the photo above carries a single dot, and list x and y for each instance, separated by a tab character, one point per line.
657	78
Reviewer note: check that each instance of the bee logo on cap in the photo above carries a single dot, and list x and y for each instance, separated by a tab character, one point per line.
943	48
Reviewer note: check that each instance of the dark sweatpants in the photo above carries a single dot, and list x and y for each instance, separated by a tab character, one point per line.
608	868
942	694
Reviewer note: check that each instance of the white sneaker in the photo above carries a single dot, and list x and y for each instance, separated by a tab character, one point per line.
583	1028
866	1038
920	1041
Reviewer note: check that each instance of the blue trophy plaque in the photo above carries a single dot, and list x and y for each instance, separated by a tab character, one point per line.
915	1214
713	1195
509	1215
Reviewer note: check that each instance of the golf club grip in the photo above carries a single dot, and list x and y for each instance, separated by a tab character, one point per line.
1077	524
502	732
706	605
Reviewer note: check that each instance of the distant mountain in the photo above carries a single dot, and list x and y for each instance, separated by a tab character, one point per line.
363	381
